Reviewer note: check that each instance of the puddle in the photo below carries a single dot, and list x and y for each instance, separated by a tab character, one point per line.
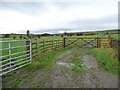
69	65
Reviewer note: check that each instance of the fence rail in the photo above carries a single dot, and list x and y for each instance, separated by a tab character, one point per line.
46	45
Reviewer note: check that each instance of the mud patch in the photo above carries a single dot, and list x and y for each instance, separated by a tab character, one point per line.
69	65
95	78
90	62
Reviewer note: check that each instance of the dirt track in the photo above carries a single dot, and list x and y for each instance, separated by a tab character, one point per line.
62	76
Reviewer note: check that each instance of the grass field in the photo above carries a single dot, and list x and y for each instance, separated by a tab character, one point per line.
45	60
80	42
100	54
6	45
115	36
42	66
106	59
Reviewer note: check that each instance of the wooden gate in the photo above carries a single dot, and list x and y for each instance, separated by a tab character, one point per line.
81	42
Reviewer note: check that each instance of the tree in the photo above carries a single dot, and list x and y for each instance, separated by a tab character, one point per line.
7	36
24	37
28	33
20	36
61	35
14	37
38	36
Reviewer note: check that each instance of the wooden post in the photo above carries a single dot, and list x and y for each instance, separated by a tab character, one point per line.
28	34
98	42
43	45
55	44
58	43
36	47
64	43
28	44
110	42
109	36
52	45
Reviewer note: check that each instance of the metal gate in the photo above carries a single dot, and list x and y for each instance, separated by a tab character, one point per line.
15	54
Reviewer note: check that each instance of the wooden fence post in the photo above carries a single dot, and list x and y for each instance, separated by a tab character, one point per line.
64	43
110	42
43	46
109	36
36	47
98	42
58	43
28	34
52	45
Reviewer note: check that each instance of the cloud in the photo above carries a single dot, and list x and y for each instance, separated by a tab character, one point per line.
17	17
31	8
97	24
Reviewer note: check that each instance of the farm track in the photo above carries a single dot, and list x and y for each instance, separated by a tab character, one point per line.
62	76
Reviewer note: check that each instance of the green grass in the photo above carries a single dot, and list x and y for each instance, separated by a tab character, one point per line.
76	53
47	60
50	38
115	36
77	62
15	50
106	59
77	68
44	61
79	42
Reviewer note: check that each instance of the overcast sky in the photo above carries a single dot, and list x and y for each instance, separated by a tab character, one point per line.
56	16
